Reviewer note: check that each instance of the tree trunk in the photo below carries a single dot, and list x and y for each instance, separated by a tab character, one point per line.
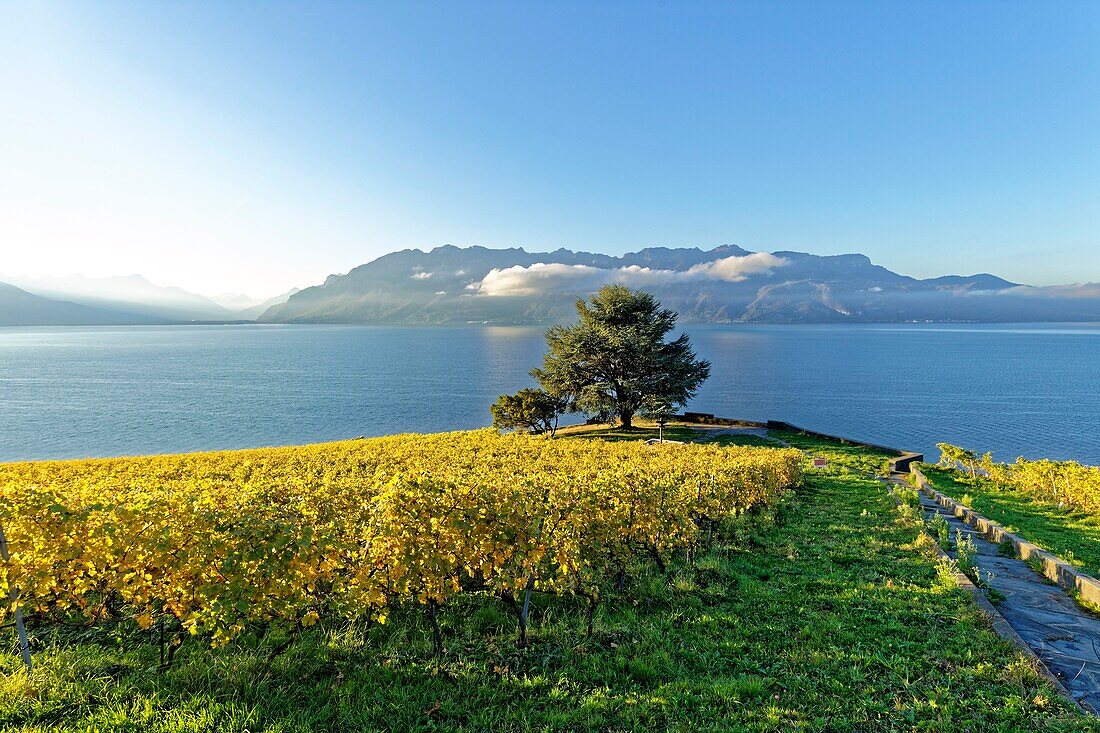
626	418
522	641
437	633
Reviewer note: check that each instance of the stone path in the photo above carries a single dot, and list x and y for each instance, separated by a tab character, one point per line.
1061	633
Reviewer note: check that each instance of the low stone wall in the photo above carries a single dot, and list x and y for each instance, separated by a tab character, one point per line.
1053	567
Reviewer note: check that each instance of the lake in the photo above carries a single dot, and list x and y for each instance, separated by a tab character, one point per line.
1030	390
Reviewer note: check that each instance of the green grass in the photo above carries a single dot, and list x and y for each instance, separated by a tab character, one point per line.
839	454
642	431
682	432
821	614
752	441
1071	534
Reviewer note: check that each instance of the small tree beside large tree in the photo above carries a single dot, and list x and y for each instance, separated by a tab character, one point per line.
531	409
615	363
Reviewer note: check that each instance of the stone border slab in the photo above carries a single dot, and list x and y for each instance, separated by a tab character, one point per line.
1004	630
1053	567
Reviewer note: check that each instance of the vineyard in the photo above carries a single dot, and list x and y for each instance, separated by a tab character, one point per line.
381	585
1055	504
1065	483
213	544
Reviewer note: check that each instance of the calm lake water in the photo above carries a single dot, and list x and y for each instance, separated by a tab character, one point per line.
1029	390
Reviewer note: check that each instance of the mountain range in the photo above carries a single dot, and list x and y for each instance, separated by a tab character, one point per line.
727	284
452	285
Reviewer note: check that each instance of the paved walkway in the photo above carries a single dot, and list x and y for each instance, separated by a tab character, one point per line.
1061	633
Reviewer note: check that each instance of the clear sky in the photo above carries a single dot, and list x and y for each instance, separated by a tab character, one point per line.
240	146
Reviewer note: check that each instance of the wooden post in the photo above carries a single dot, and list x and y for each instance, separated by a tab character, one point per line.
13	599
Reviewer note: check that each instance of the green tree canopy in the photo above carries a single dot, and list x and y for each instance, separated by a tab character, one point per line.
532	409
615	361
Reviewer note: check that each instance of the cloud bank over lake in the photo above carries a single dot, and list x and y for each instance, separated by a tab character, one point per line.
550	277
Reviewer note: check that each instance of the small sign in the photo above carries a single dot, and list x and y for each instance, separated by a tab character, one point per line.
820	463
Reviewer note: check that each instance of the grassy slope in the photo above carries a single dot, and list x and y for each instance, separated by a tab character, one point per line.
854	457
1072	535
683	432
642	431
825	619
753	441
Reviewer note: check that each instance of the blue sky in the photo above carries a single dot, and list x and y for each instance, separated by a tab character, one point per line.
253	146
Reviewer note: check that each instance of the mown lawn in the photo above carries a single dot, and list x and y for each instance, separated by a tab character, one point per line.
818	615
837	453
1071	534
682	432
752	441
641	431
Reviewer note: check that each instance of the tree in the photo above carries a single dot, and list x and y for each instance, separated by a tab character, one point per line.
615	360
532	409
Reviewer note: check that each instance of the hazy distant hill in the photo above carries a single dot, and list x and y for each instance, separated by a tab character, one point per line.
131	294
133	299
20	308
726	284
248	308
254	311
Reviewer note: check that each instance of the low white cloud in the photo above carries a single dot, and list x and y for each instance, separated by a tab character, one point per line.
538	279
1079	290
737	269
542	278
421	275
1076	290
